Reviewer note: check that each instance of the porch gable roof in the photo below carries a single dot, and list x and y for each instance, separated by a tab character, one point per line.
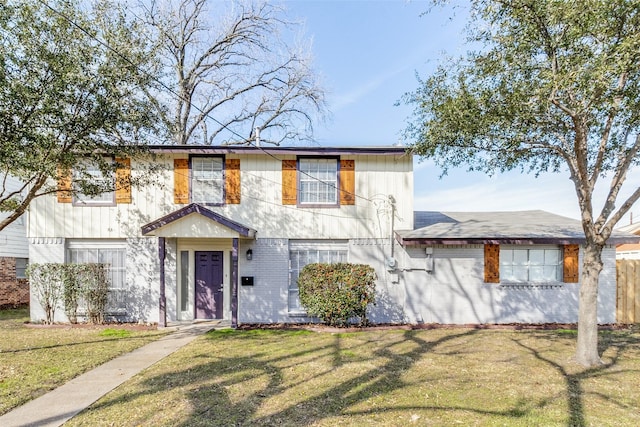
192	226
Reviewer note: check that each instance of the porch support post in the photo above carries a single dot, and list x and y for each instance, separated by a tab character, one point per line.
234	284
162	321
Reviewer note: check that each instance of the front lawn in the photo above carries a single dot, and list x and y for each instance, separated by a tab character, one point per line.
389	378
36	359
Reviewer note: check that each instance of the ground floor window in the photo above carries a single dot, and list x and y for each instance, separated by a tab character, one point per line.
113	255
302	253
531	264
21	268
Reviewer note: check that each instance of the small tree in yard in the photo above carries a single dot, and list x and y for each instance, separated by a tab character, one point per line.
555	87
337	292
72	291
94	289
48	287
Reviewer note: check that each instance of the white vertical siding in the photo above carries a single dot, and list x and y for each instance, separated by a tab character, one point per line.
261	208
13	240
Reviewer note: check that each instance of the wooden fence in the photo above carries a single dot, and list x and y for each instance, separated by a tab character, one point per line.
628	291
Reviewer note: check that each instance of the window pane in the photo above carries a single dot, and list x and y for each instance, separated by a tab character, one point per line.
552	257
520	273
551	273
536	257
520	257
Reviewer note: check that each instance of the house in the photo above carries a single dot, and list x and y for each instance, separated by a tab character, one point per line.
222	233
14	254
629	250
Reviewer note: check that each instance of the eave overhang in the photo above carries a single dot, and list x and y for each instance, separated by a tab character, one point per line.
407	240
278	150
155	227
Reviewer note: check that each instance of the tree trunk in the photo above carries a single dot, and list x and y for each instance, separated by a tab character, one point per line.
587	348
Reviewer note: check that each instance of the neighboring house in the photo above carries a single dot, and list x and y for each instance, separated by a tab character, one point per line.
14	254
629	250
223	232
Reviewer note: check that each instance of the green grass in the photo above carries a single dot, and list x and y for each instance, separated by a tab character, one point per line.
387	378
119	333
34	360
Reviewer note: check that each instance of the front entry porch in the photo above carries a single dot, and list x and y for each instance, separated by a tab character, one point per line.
205	264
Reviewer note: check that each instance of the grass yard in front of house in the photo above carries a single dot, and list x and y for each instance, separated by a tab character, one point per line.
381	377
36	358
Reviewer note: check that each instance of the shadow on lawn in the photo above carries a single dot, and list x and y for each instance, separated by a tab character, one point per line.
258	378
574	381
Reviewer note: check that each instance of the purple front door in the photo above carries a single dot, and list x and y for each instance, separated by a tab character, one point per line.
209	285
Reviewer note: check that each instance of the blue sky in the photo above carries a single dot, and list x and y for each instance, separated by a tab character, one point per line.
367	53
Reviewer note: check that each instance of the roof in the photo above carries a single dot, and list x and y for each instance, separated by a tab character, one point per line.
633	228
511	227
275	150
182	214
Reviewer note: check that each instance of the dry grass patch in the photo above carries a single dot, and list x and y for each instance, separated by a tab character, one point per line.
389	378
34	360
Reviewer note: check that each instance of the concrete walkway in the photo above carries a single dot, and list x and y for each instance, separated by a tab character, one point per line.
61	404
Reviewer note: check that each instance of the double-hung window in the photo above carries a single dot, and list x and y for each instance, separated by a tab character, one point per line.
94	186
318	181
302	253
207	180
539	265
21	268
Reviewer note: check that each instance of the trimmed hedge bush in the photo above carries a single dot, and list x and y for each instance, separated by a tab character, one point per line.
337	293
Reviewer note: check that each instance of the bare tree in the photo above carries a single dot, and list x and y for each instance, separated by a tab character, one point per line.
233	68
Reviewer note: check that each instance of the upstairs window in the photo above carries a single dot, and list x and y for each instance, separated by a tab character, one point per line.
93	186
318	181
207	180
105	188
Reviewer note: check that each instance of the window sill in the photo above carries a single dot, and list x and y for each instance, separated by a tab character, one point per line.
522	286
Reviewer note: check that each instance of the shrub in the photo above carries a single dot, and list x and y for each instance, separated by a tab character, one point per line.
69	285
48	287
95	290
72	291
337	292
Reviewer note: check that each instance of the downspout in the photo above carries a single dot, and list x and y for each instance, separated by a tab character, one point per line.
391	261
162	321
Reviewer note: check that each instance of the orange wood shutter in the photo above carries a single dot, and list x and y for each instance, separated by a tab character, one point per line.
232	181
347	182
570	264
491	263
64	185
289	182
123	181
180	181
